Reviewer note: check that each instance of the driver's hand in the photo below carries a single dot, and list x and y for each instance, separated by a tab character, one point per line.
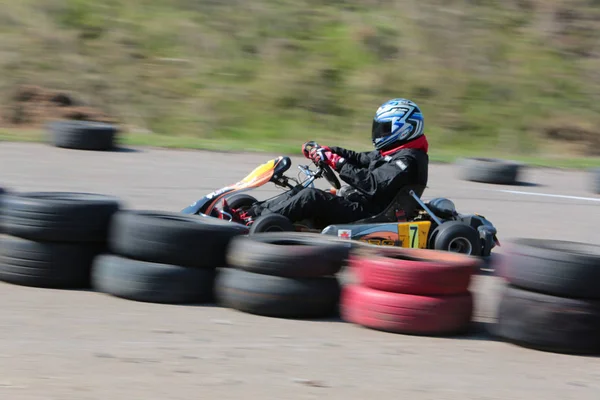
325	155
308	148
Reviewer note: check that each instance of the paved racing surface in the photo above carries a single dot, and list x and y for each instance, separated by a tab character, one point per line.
82	345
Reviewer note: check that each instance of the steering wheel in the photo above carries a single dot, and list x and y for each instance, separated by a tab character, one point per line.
326	169
330	175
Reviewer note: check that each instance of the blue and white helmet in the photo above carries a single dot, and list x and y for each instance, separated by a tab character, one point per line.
396	122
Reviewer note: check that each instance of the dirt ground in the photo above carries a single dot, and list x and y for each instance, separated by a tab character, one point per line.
65	345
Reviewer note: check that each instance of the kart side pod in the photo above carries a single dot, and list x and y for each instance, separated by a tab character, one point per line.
399	234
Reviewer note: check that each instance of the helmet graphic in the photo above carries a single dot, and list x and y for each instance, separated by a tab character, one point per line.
396	122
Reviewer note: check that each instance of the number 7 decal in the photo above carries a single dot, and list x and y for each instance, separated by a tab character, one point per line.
413	232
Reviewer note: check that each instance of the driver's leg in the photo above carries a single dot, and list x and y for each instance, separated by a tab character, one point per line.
312	203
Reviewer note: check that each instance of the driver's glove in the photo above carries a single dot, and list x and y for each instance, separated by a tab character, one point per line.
328	157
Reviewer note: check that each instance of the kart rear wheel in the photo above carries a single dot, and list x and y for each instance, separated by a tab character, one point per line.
271	223
457	237
241	201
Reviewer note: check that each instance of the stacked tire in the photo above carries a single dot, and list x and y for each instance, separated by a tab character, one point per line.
2	193
595	181
551	300
163	257
52	238
490	170
284	275
82	135
410	291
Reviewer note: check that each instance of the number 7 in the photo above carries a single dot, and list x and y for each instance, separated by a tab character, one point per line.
414	236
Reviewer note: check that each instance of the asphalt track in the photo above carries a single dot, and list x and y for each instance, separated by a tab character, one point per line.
82	345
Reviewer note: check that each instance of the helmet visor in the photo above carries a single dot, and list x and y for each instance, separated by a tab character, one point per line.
381	129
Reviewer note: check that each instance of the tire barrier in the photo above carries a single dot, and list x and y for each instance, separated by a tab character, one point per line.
172	238
2	193
595	181
552	296
152	282
489	170
284	274
163	257
285	254
53	237
550	299
82	135
550	323
421	292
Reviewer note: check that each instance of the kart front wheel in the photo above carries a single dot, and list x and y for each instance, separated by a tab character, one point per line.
271	223
457	237
241	201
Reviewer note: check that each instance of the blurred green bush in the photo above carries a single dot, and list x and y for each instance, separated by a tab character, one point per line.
512	74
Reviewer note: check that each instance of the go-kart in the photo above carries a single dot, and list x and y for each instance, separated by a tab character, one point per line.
406	222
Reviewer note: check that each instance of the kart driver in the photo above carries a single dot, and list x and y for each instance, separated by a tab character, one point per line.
400	158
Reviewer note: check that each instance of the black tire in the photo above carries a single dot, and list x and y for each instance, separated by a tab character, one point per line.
172	238
275	296
489	170
596	181
82	135
241	201
271	223
152	282
2	192
289	255
59	216
549	323
554	267
456	233
45	264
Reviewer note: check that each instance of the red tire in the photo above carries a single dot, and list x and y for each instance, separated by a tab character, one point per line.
404	313
420	272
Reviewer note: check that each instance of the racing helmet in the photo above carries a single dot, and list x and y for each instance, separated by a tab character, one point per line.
396	122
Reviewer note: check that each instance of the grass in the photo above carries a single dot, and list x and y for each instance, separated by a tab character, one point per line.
515	77
444	155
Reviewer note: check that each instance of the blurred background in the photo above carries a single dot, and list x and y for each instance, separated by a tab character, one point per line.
496	78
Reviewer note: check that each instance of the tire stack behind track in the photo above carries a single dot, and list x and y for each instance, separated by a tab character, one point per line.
595	181
2	193
490	170
53	237
82	135
422	292
552	297
163	257
284	274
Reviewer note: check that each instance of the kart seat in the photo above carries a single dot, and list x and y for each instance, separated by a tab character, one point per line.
402	202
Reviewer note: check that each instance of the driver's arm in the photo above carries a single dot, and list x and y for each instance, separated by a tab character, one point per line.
353	157
372	181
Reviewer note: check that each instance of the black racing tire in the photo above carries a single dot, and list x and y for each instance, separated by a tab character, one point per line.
554	267
271	223
46	264
59	216
457	233
275	296
548	323
2	193
241	200
152	282
292	255
489	170
595	181
172	238
82	135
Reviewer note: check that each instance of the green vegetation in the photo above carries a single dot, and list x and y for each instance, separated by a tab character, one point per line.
493	77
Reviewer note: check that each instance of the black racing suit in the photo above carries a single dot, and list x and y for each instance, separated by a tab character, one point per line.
378	179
